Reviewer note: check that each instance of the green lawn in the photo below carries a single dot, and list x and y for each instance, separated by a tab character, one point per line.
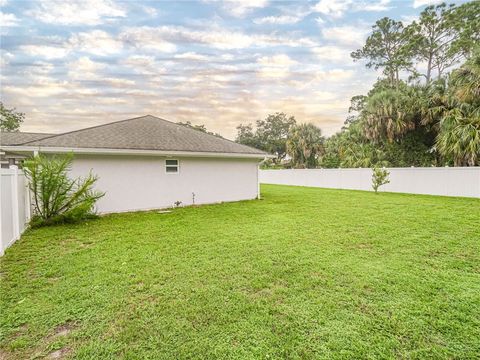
305	273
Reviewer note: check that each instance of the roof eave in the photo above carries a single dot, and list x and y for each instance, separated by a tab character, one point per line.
102	151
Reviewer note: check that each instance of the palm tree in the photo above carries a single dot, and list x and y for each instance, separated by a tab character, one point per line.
466	80
389	113
305	145
459	135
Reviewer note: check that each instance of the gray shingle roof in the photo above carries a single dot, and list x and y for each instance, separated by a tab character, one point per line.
15	138
144	133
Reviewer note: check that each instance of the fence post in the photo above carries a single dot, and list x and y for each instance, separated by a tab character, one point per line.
15	217
28	199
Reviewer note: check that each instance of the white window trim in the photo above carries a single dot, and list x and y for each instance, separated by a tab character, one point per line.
172	166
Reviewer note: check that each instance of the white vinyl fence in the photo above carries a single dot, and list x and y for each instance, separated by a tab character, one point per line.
447	181
14	206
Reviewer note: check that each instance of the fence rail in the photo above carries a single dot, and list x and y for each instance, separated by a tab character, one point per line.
14	206
448	181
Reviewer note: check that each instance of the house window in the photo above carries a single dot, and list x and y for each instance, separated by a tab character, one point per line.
171	166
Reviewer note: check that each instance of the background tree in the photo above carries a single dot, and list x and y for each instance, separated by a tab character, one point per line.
468	26
10	119
357	104
273	133
387	48
305	145
247	136
459	130
201	128
403	121
270	135
433	37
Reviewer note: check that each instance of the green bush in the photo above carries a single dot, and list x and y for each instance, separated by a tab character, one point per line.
56	197
379	178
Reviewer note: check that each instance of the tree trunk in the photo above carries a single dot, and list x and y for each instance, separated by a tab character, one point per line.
429	69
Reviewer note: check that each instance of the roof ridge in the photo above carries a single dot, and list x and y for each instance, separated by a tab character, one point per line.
205	133
87	128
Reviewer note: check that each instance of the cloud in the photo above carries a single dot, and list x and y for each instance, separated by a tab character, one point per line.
333	8
140	61
44	87
119	82
346	35
84	69
150	11
191	55
148	37
332	53
334	75
419	3
5	59
77	12
96	42
165	38
278	20
45	51
337	8
240	8
142	64
382	5
325	95
277	66
8	20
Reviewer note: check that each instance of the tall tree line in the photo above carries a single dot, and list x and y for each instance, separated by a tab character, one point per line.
419	113
425	110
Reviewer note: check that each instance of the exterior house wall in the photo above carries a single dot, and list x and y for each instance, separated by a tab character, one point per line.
141	182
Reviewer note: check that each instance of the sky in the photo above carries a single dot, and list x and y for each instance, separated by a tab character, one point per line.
73	64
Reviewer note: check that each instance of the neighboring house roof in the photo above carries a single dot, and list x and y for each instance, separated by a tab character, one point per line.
15	138
143	133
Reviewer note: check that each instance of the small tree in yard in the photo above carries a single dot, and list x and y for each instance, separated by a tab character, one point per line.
56	197
379	178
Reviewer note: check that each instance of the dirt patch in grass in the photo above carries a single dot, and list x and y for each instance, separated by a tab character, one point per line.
64	329
59	354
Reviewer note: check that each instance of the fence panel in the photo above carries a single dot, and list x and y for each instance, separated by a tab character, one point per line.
14	206
448	181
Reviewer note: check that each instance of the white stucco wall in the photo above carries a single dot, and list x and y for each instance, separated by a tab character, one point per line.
141	182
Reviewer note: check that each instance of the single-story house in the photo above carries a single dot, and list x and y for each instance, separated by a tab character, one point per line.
149	163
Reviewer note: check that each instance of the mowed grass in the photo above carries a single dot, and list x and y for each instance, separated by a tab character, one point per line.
304	273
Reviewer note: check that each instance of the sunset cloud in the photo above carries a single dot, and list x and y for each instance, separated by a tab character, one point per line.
72	64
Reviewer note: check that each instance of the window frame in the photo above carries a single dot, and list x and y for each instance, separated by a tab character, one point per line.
172	167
